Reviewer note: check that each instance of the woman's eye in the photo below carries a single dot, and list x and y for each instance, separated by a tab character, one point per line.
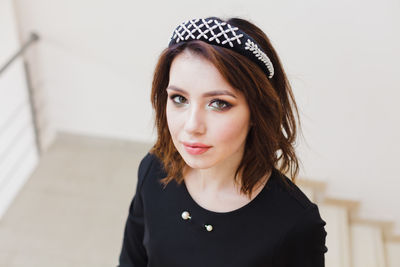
178	99
220	104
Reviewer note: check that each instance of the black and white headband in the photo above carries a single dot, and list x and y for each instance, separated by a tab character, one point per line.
217	32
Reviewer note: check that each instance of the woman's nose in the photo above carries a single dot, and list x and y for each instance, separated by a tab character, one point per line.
195	123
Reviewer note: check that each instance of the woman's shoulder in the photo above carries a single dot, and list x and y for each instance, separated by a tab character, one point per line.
301	214
150	166
289	195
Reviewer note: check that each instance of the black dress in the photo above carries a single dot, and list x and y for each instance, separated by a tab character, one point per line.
279	227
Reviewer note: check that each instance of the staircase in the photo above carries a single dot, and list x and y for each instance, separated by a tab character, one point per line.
352	241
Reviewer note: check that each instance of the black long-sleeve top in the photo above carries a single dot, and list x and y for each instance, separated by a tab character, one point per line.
279	227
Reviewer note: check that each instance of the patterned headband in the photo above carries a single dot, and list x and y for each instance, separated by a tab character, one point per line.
217	32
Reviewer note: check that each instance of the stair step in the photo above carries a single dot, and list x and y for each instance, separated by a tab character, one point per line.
386	227
311	188
338	235
367	242
350	204
392	247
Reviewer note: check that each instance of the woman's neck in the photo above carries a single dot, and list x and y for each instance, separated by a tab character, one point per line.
218	178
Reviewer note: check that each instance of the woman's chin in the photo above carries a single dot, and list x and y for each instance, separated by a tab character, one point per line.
199	163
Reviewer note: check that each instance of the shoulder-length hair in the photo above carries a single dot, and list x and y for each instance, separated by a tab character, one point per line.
273	110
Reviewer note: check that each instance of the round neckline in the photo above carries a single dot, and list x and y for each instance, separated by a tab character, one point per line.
224	213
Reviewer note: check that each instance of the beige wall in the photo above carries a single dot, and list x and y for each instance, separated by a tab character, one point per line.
96	58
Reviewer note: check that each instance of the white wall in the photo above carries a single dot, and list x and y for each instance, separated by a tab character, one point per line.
96	59
18	153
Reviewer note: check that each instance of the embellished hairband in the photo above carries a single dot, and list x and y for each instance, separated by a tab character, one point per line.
217	32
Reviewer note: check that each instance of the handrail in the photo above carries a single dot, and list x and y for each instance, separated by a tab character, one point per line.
32	38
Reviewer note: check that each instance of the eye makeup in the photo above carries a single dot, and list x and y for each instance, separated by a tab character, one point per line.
221	105
177	99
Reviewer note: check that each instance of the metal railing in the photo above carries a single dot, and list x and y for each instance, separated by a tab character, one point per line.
32	38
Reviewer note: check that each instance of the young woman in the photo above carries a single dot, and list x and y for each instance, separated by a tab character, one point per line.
212	190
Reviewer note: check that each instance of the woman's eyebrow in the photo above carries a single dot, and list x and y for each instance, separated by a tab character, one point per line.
208	94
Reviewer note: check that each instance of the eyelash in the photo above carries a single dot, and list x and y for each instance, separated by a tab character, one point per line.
226	104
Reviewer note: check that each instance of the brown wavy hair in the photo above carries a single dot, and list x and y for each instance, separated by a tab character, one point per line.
273	110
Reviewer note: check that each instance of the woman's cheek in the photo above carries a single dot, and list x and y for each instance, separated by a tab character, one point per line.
232	129
175	119
170	120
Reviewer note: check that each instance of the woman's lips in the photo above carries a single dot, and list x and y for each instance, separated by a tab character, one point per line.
195	148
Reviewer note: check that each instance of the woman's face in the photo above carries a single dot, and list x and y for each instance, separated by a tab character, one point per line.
207	118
